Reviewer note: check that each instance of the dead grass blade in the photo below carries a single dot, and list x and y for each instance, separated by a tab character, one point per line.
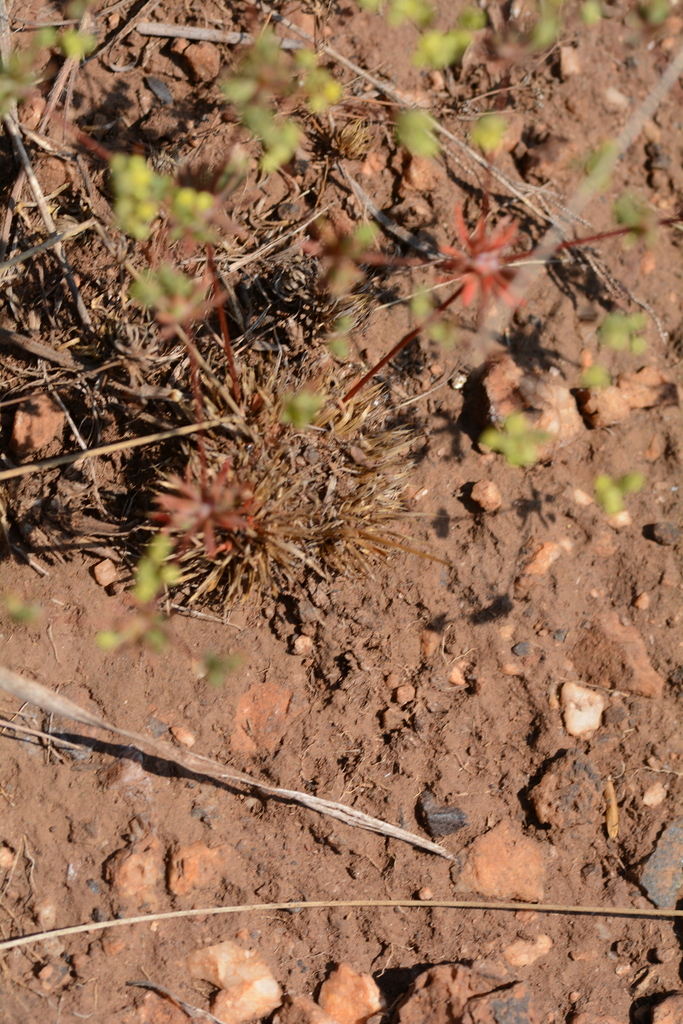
250	908
54	703
193	1012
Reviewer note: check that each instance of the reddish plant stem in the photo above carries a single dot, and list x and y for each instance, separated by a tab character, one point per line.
223	321
197	399
399	346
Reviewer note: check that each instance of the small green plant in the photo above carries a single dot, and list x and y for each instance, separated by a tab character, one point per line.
622	332
21	611
154	574
610	493
217	668
516	440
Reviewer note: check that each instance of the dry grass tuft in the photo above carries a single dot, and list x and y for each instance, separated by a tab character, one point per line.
274	499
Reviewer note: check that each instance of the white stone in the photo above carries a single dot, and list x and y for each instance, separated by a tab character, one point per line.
582	708
249	989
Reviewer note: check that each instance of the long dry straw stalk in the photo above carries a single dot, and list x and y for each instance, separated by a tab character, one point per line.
54	703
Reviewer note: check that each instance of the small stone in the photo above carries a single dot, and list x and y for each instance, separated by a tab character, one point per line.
604	544
261	718
350	998
456	676
669	1011
581	498
504	864
135	873
655	449
539	564
487	496
156	1009
569	793
404	694
249	989
430	642
642	602
302	645
620	520
522	954
582	708
603	407
522	649
7	858
647	388
203	61
112	945
105	572
655	795
569	62
662	877
183	736
36	422
665	534
439	819
616	100
192	867
613	653
54	976
421	175
560	635
510	669
425	893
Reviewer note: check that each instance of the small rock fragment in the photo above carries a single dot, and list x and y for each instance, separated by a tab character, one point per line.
662	877
669	1011
611	653
522	649
302	645
522	954
156	1009
421	175
429	643
36	422
456	676
642	602
7	858
487	495
425	893
404	694
439	995
439	819
569	794
505	864
261	718
647	389
616	100
665	534
655	795
203	61
539	564
183	736
590	1017
54	976
301	1010
249	989
135	873
569	62
105	572
603	407
582	708
581	498
192	867
350	998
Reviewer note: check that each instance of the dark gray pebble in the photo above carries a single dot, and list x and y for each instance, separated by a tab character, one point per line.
665	533
522	649
439	819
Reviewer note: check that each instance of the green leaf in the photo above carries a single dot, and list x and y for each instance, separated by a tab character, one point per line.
415	131
621	332
300	409
516	440
600	164
22	611
109	639
591	13
596	376
489	132
216	668
76	45
419	12
437	49
472	18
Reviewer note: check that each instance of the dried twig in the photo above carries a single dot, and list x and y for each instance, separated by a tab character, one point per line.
192	1011
55	703
250	908
167	30
36	348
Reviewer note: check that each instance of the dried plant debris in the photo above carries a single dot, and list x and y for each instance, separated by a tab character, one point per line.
276	497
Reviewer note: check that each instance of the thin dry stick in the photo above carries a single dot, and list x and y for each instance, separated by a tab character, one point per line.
19	149
107	449
55	703
36	348
166	30
49	243
249	908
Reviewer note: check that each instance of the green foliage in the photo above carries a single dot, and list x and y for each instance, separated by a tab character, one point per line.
421	305
516	440
441	49
489	132
600	164
278	138
321	88
76	45
175	298
415	131
191	210
621	332
22	611
591	13
596	376
632	211
609	493
444	332
154	572
654	12
472	18
419	12
547	28
18	72
300	409
217	668
138	194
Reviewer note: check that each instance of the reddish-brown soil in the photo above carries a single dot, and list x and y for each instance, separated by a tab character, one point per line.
332	723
